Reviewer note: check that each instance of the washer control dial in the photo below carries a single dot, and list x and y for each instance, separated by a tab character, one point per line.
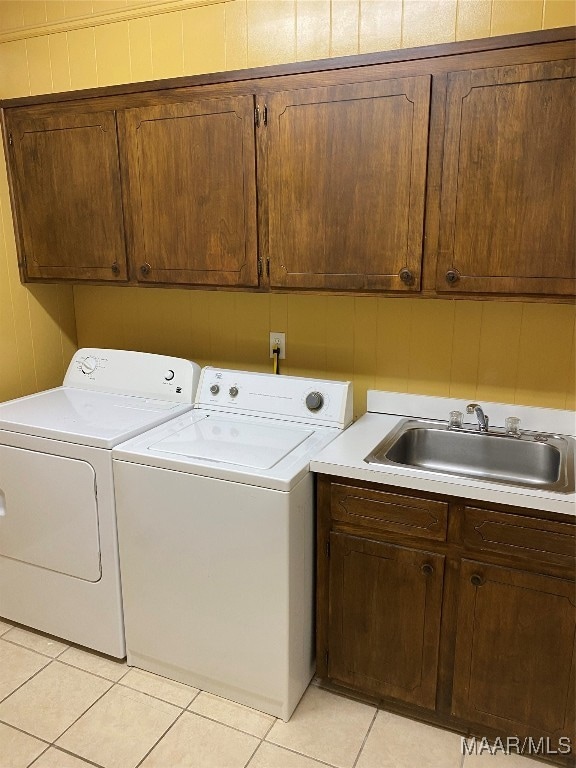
89	365
214	389
233	391
314	401
169	375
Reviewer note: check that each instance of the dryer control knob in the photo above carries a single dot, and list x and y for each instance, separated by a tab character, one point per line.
233	391
88	365
214	389
314	401
169	375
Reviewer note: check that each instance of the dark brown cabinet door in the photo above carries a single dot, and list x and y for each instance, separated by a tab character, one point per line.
508	193
384	625
346	182
191	195
68	196
515	662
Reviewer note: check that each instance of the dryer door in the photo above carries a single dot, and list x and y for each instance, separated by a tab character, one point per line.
49	512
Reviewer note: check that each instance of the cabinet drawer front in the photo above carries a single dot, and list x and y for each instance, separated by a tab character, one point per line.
544	540
389	512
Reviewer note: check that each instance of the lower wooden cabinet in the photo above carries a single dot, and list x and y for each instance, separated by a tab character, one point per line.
384	625
459	615
513	668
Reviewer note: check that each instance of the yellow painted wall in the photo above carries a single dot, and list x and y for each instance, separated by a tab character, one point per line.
37	324
514	352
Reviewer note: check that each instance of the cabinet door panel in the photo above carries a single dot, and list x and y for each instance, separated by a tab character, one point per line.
515	644
192	191
347	168
508	195
68	196
385	604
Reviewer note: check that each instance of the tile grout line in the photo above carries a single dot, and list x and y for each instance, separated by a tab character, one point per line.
84	712
88	672
39	756
368	732
293	752
32	650
72	754
247	763
166	732
16	728
5	698
226	725
74	666
151	695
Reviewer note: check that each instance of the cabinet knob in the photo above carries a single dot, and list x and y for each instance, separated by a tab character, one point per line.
452	276
406	276
145	269
427	569
115	268
476	580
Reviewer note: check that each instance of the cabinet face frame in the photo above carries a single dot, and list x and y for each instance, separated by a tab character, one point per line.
192	214
67	196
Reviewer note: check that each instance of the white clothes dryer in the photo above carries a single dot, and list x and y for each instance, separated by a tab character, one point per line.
216	532
59	570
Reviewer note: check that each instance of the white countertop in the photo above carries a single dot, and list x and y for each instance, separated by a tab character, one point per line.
345	455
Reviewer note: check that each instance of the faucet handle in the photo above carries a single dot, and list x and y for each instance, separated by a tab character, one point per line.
512	426
455	420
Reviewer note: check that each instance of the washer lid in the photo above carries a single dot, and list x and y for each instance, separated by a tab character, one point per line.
97	419
243	443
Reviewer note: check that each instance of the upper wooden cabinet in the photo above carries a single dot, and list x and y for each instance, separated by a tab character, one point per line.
346	182
447	171
66	185
507	204
191	191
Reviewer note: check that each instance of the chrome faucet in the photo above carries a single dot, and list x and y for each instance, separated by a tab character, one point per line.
480	415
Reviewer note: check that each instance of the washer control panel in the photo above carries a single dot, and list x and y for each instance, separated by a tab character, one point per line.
134	373
301	399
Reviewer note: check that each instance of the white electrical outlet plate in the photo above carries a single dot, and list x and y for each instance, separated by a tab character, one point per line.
278	340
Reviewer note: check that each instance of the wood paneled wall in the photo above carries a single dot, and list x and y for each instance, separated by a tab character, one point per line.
498	350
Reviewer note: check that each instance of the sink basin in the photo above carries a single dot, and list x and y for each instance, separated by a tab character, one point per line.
532	460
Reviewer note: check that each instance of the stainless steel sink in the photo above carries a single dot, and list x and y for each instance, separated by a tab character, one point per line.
534	460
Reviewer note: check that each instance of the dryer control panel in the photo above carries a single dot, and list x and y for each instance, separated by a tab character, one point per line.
312	401
141	374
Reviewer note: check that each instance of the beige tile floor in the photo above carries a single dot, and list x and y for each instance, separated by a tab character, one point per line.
63	707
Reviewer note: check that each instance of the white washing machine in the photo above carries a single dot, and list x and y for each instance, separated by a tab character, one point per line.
216	531
59	569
